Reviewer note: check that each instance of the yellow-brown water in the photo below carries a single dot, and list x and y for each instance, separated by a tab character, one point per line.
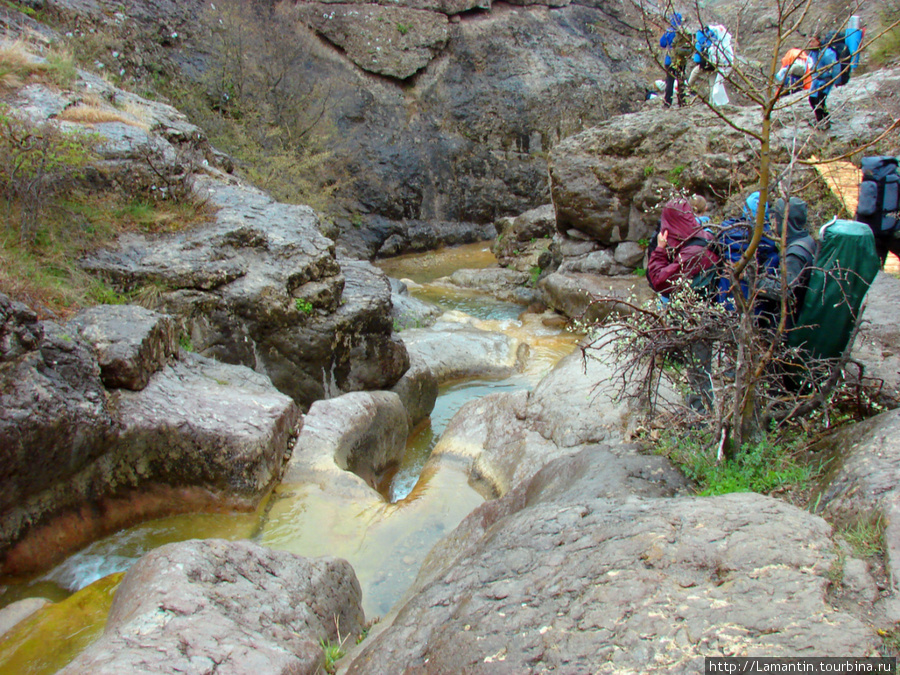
385	542
54	635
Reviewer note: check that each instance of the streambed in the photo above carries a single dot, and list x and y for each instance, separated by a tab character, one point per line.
385	540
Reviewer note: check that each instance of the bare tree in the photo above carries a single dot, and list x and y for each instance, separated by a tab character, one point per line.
758	377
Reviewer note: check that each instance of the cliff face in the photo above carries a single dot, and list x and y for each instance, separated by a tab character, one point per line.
441	111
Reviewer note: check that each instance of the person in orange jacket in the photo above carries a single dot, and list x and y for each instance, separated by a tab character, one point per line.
794	74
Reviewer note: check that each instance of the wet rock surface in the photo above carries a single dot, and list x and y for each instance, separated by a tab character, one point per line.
262	288
363	433
455	348
561	574
82	459
229	606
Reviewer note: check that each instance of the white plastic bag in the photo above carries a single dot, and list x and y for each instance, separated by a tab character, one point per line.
719	95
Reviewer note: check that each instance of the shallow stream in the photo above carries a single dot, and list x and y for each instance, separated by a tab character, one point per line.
385	541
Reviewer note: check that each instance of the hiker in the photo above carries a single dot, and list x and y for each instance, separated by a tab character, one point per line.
824	68
680	256
878	205
732	239
713	53
794	75
798	256
681	251
677	44
699	206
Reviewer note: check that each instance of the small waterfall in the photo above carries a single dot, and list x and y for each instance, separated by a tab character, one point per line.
329	382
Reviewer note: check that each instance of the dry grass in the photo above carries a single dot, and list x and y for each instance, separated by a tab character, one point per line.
91	113
16	65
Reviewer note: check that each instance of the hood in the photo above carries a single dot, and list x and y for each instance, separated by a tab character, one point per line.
678	220
751	204
797	218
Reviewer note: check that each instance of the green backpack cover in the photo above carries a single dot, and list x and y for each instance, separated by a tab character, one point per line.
844	269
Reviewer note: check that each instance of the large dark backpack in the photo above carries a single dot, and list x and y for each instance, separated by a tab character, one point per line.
879	195
732	240
845	267
835	40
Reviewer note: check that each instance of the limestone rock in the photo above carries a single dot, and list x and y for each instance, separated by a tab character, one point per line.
521	240
20	330
577	295
505	284
392	41
261	287
360	432
454	349
863	463
417	389
610	181
878	344
18	611
51	402
131	342
80	462
407	311
563	574
201	422
235	606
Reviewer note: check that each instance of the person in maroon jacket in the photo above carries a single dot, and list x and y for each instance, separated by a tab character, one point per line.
682	250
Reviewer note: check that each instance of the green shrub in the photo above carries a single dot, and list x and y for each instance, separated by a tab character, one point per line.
761	467
304	306
37	163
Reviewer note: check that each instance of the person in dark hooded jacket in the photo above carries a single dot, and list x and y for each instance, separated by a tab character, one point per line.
798	256
682	250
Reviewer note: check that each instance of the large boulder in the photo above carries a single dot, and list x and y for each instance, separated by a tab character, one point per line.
207	605
456	348
393	41
877	346
261	287
131	343
860	485
610	181
80	460
590	297
363	433
575	571
55	417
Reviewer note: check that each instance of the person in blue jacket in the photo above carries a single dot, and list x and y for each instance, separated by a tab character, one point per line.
825	70
678	48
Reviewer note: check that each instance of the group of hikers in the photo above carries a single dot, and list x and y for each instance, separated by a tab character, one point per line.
818	282
826	61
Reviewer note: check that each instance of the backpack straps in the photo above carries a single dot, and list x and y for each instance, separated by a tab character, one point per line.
809	245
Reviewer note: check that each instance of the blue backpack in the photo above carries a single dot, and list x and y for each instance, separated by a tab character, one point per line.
732	239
